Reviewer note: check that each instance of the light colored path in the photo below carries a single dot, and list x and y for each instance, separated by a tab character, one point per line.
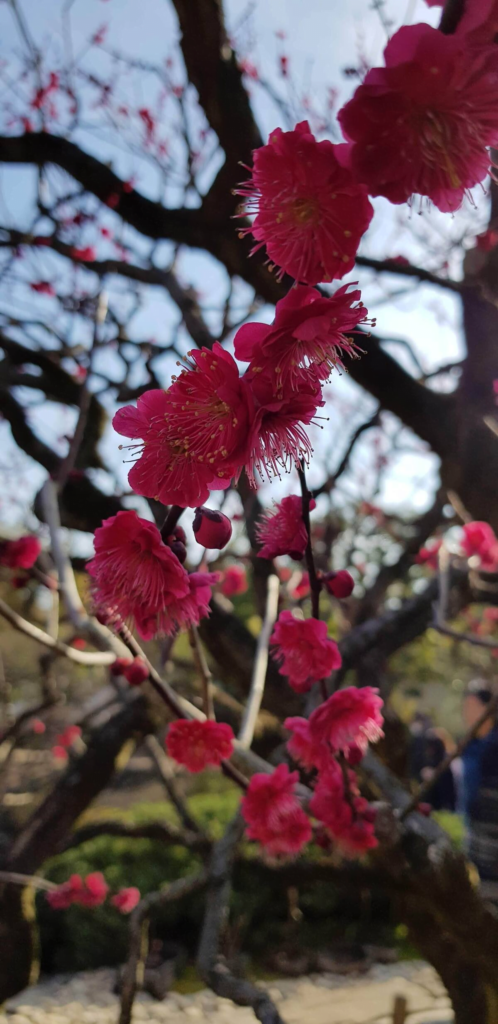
88	998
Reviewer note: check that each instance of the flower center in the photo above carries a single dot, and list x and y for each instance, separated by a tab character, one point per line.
305	210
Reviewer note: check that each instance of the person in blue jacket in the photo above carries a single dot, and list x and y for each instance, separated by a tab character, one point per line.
480	788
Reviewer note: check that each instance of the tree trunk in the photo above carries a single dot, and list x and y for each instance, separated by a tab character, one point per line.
472	984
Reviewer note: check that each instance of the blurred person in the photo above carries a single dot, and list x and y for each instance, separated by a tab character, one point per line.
480	787
419	727
442	796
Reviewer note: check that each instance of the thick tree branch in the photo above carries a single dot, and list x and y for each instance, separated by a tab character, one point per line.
84	778
427	413
391	266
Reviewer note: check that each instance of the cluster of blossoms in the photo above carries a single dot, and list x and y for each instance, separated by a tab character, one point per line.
326	745
422	125
91	891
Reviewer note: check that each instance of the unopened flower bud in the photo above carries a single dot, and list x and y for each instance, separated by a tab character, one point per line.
176	541
212	529
118	667
136	673
340	584
424	809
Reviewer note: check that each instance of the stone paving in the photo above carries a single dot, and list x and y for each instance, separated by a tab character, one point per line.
88	998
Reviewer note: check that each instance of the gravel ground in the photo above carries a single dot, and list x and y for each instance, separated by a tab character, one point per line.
88	998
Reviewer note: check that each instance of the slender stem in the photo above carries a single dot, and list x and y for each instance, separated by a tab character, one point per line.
16	879
347	785
426	787
171	520
82	657
260	664
204	672
315	585
452	13
165	771
180	707
310	561
69	461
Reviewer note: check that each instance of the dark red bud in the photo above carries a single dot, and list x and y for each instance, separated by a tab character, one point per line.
118	667
340	584
178	548
137	672
212	529
424	809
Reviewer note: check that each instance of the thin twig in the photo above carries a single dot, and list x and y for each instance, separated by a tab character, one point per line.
203	670
212	967
441	608
182	708
171	520
310	561
477	641
16	726
330	482
14	878
164	768
315	586
159	831
426	787
82	657
260	664
100	636
68	462
138	939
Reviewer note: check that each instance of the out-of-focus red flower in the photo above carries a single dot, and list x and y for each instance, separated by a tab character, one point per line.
300	589
86	254
38	727
234	581
60	753
136	673
349	822
21	553
479	541
68	737
429	555
199	744
340	584
42	287
78	643
64	895
119	665
303	747
488	240
94	890
349	716
126	899
281	529
273	814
